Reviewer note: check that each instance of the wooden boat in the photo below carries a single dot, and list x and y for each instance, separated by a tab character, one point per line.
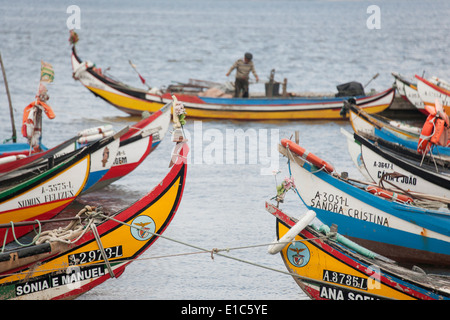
389	130
434	88
134	101
100	162
387	163
44	191
384	221
18	162
408	91
12	151
327	266
136	145
56	268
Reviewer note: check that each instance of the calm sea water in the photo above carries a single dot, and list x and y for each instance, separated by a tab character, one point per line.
316	45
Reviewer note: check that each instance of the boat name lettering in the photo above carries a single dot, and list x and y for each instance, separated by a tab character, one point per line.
345	279
29	202
53	281
400	179
49	192
339	204
45	198
333	293
59	196
95	255
367	216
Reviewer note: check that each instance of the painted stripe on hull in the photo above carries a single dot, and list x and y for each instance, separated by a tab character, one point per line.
131	100
330	271
133	105
42	201
428	92
54	278
378	220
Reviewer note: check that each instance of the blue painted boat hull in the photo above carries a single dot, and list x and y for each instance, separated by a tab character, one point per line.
405	233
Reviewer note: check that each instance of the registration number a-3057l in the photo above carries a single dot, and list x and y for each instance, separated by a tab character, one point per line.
95	255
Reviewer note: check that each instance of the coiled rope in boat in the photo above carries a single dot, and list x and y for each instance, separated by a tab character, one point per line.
74	229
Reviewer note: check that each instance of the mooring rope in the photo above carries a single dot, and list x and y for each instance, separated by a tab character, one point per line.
212	252
65	235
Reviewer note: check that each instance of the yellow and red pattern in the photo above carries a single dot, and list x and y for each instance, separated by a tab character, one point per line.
72	269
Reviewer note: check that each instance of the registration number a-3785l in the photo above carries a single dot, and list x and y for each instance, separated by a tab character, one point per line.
95	255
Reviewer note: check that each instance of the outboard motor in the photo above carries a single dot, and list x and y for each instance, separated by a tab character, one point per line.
350	89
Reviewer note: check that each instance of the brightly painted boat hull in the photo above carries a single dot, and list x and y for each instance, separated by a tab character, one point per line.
280	109
325	270
78	267
401	232
377	162
409	92
134	101
128	158
362	124
404	135
20	148
101	162
429	92
45	195
53	192
136	145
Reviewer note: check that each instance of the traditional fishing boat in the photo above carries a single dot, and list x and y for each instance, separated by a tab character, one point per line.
13	151
408	91
389	130
134	101
100	162
328	266
16	162
65	264
434	88
136	145
387	163
43	191
383	220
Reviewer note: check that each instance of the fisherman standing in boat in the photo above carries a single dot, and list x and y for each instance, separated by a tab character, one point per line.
243	68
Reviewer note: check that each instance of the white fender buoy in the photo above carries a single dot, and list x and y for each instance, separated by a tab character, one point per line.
277	246
94	137
95	130
12	158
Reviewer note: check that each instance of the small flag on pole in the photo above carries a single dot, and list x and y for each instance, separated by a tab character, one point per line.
142	79
135	69
47	73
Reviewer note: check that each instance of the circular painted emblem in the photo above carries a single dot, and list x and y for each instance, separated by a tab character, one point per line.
359	160
298	254
146	228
